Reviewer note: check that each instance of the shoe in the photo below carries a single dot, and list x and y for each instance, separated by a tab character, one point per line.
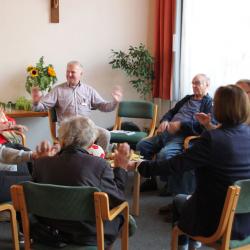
164	191
166	209
148	185
193	245
21	238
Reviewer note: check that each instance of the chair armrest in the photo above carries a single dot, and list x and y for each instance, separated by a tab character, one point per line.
188	139
22	135
102	213
114	212
102	201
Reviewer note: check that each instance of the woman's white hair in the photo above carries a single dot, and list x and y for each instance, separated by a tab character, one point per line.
77	131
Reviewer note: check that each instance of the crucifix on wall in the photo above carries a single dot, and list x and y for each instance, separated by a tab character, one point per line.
54	11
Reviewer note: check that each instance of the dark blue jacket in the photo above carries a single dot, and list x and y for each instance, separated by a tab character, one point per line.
193	127
219	158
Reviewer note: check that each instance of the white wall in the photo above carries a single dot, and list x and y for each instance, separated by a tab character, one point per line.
87	31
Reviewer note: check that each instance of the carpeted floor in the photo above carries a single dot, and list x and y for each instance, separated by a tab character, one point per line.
152	233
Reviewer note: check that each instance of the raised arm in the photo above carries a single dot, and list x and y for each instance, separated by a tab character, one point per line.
13	156
98	102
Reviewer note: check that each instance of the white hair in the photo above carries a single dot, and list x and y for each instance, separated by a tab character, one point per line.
77	131
75	63
206	79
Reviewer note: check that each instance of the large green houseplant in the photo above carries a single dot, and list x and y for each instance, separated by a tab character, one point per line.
138	64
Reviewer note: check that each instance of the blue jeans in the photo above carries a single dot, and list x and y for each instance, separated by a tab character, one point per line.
164	144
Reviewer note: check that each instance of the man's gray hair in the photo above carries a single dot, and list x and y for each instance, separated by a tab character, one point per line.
77	131
75	63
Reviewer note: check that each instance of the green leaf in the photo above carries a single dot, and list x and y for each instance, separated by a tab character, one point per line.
138	64
44	81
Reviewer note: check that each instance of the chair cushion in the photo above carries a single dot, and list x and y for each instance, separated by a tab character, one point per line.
239	243
130	139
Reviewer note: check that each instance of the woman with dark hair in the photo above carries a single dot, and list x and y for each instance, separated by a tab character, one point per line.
220	157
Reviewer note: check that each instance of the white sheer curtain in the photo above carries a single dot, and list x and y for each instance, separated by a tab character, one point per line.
215	41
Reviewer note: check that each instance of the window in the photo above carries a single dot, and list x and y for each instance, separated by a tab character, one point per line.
215	41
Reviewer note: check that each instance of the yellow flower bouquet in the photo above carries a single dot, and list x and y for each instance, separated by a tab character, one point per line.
40	76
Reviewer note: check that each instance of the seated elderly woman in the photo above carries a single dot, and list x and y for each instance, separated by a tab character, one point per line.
220	157
11	156
8	124
11	173
74	166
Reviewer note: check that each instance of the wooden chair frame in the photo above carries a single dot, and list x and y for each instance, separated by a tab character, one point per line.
223	231
102	213
136	194
9	208
188	139
137	178
23	137
52	126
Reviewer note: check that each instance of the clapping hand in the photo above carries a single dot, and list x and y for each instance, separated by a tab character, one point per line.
122	156
203	119
117	94
44	149
206	121
162	127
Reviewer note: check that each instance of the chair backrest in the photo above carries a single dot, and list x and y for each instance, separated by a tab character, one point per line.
52	123
60	202
137	109
239	205
67	203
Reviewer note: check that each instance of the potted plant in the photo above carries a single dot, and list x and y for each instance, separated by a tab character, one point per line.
138	64
23	103
41	77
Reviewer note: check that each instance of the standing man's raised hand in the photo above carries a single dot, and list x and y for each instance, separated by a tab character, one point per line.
117	93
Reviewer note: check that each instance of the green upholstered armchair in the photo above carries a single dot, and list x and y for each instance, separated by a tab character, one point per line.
220	239
134	109
76	203
237	202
